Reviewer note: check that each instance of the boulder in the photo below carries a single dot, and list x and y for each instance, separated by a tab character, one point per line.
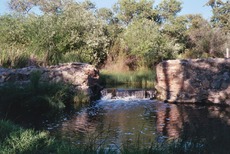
80	76
194	81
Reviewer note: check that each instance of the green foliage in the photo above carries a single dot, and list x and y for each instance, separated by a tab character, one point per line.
36	100
204	40
221	14
140	31
13	59
168	9
49	38
105	14
150	34
22	141
145	41
34	78
81	100
82	34
129	10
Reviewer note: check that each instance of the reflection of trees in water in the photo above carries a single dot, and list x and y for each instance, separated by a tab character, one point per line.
210	125
169	120
219	112
207	124
81	127
117	125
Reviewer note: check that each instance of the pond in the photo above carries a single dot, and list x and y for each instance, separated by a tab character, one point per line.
114	121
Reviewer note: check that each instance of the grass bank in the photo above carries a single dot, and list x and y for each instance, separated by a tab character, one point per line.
15	139
137	79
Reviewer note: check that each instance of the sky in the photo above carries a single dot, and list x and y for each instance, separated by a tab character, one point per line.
189	6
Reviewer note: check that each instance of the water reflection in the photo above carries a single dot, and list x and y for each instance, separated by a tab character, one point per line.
169	121
120	121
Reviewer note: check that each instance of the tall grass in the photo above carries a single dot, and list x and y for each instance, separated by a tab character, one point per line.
141	78
15	139
14	58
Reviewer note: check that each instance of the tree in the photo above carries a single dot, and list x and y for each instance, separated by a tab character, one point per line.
23	6
45	6
71	33
75	33
144	40
168	9
203	39
105	14
221	14
129	10
150	34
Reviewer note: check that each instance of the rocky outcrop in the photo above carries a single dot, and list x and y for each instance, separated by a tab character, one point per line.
194	81
80	76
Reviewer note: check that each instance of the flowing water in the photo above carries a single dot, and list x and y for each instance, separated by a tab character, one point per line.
131	116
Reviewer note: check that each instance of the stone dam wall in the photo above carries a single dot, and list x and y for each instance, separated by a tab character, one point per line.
80	76
194	81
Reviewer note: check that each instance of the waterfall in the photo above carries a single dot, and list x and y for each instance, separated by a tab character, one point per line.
113	93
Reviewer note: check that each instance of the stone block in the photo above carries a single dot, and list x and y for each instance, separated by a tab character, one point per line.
195	80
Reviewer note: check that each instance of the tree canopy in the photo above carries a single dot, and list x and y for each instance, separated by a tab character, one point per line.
142	32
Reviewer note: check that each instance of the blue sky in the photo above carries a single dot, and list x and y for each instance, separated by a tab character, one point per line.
189	6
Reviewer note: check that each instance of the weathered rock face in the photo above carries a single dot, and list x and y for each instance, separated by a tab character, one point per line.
80	76
194	81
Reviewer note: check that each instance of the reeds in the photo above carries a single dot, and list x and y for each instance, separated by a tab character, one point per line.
140	79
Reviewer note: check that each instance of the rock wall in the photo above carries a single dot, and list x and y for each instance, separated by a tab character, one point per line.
80	76
194	81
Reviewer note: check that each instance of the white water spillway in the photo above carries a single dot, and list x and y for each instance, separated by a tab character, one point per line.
113	93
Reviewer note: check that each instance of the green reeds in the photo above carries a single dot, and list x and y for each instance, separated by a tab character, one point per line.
14	58
137	79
